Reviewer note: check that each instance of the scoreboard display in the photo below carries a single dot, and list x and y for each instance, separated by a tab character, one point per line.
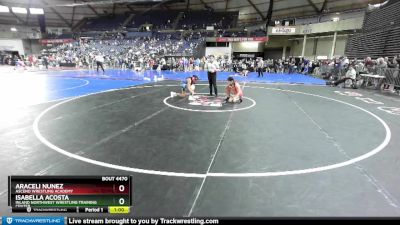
70	194
56	197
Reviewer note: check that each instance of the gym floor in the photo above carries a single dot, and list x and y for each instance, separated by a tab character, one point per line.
294	147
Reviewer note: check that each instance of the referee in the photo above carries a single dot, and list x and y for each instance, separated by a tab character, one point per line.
99	62
260	66
212	67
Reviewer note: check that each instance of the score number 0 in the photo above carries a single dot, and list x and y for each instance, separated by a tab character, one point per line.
121	188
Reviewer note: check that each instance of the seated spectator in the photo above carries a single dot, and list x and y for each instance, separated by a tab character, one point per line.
350	74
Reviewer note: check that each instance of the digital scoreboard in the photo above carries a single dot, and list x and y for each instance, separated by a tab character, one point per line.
70	194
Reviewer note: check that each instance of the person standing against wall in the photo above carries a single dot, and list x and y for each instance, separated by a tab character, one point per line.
260	67
212	67
99	62
45	61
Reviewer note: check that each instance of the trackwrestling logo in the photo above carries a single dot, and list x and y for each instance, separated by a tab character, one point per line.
33	220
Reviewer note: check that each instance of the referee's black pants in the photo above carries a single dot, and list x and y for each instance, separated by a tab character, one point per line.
212	81
99	64
260	72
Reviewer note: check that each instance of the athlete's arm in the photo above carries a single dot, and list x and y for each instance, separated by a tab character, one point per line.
238	90
189	84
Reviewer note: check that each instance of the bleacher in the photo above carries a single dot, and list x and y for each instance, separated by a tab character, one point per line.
159	19
202	19
370	44
163	20
385	17
392	46
225	33
65	36
61	36
104	23
380	34
259	33
379	37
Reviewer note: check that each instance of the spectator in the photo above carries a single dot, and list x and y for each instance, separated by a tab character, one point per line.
351	74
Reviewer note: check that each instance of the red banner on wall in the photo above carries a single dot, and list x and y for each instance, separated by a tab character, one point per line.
55	41
239	39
